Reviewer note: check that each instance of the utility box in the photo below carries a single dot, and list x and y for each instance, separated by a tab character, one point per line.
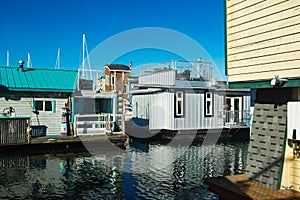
293	120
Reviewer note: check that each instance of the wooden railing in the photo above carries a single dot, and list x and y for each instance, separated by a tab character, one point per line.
92	124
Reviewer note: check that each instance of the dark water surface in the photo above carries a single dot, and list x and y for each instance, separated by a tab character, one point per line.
145	171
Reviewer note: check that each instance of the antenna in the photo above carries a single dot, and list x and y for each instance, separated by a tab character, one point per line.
29	64
7	58
57	65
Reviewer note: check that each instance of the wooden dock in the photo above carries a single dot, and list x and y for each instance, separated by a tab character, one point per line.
237	187
65	144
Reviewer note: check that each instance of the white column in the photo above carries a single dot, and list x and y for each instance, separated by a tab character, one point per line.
115	82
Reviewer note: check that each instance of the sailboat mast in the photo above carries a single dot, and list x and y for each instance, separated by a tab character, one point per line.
7	58
86	65
83	51
57	66
29	65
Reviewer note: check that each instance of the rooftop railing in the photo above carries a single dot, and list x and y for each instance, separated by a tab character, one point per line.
185	70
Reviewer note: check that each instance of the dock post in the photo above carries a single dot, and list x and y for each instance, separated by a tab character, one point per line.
28	132
114	112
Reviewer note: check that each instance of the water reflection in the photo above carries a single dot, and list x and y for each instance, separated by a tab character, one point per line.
141	173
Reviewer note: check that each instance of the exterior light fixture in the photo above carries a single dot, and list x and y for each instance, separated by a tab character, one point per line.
278	82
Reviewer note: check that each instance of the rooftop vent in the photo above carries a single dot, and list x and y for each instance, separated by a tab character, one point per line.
21	64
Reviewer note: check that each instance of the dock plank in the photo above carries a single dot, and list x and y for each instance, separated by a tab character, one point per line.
237	187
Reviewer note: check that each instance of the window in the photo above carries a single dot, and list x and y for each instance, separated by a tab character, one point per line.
125	88
103	105
136	109
179	104
39	105
48	106
107	80
112	82
208	109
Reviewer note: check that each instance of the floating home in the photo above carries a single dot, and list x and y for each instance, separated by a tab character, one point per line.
36	94
101	99
185	97
263	54
55	102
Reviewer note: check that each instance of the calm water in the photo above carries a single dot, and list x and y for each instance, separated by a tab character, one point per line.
145	171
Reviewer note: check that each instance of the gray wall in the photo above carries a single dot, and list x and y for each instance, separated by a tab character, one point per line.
23	107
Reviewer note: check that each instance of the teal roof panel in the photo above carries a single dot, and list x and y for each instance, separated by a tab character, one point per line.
10	78
37	79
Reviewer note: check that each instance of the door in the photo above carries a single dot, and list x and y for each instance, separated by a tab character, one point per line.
234	116
237	109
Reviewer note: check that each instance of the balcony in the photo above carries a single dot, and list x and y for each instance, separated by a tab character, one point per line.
235	119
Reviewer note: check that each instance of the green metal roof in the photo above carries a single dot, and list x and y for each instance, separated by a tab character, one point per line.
37	80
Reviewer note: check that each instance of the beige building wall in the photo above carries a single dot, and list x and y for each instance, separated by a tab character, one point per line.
263	39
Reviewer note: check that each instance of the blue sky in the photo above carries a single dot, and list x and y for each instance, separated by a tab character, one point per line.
42	26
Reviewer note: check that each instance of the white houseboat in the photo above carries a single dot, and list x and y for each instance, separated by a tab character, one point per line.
184	96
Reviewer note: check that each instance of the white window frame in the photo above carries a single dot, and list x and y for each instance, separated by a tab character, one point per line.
209	104
179	100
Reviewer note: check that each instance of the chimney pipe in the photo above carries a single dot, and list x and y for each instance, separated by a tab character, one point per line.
21	64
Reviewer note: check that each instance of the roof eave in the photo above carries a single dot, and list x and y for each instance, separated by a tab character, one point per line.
119	70
42	90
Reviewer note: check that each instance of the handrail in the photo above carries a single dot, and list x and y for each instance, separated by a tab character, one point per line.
236	117
93	124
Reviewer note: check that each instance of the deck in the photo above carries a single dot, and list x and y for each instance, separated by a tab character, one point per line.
237	187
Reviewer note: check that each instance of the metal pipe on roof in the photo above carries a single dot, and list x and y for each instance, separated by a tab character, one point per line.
21	64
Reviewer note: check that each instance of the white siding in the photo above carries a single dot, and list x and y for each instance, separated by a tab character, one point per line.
246	102
195	119
158	108
194	113
160	78
246	109
51	119
263	39
140	106
161	111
